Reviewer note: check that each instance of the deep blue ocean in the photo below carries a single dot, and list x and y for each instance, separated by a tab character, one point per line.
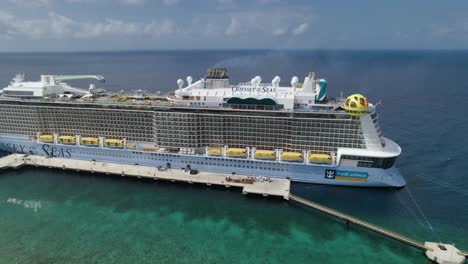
51	216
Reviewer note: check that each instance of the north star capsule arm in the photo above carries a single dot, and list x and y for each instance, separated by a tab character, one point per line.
61	78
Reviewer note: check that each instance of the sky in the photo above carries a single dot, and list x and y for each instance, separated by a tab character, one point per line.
96	25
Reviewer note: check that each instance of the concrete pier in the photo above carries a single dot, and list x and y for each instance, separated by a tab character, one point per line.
443	253
12	161
250	185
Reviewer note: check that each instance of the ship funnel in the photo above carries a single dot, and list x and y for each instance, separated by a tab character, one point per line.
180	83
189	80
294	81
321	90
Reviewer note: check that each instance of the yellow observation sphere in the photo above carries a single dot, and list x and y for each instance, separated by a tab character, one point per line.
356	105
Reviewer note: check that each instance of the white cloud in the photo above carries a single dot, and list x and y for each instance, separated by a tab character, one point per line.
254	24
78	1
457	28
11	27
267	2
113	27
133	2
31	3
268	22
5	30
280	31
234	28
108	27
124	2
56	26
299	30
48	3
170	2
141	2
160	28
226	4
59	25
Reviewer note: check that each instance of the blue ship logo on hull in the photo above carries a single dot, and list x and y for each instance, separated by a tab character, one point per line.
346	175
330	174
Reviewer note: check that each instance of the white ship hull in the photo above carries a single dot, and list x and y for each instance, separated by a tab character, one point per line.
297	172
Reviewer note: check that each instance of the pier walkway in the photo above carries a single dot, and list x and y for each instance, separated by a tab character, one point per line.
12	161
437	252
359	222
252	185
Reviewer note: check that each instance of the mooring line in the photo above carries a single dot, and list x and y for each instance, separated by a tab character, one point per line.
444	184
407	207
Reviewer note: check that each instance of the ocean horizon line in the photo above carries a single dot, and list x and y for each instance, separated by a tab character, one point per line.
229	50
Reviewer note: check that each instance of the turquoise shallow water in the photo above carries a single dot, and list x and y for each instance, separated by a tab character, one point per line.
52	216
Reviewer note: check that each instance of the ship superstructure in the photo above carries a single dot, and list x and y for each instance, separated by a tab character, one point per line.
48	85
253	128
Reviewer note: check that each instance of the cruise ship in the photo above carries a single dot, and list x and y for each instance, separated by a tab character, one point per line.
253	128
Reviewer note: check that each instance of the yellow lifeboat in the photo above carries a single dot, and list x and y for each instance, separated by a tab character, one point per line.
46	138
215	151
113	143
292	156
265	154
89	141
131	146
320	158
67	140
236	152
121	98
